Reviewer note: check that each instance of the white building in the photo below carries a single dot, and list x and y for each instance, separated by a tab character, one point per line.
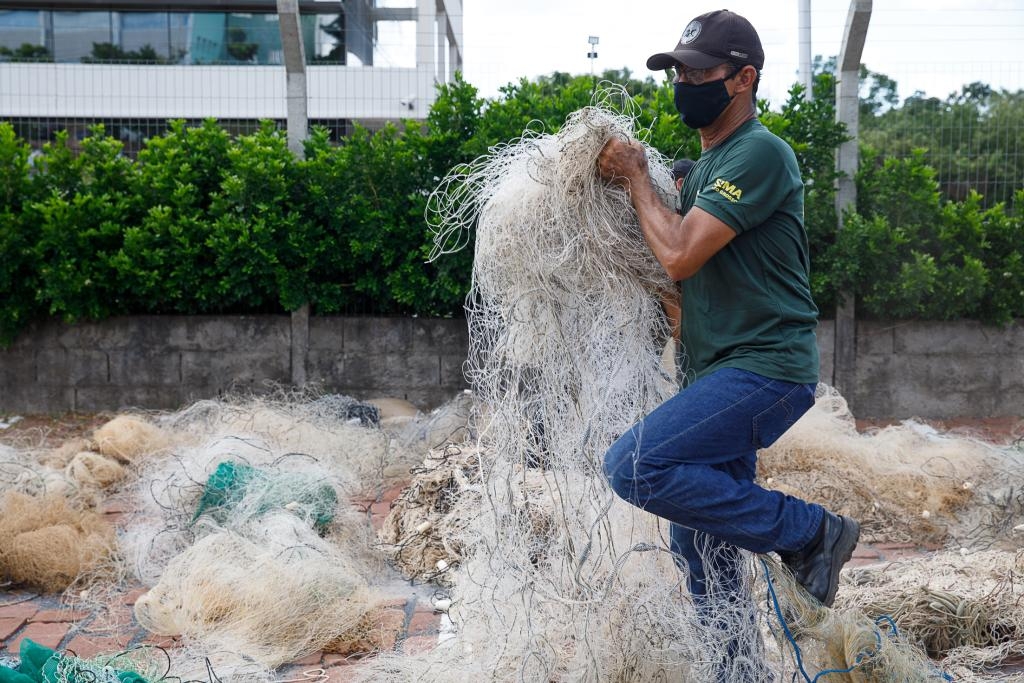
147	61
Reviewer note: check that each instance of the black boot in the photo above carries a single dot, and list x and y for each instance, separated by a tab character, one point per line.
817	566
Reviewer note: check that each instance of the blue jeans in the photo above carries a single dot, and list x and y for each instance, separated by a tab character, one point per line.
692	461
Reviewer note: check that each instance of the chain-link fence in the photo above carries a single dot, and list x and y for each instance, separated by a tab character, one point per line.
927	88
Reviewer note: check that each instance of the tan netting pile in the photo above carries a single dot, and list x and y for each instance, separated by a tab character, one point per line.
47	545
84	470
963	608
421	532
905	483
247	531
271	593
556	578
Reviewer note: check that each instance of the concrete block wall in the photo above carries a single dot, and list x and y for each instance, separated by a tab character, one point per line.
939	370
904	369
164	362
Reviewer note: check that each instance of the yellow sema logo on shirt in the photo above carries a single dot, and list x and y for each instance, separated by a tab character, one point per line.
727	190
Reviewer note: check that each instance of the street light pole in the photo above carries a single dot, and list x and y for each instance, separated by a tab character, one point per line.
592	54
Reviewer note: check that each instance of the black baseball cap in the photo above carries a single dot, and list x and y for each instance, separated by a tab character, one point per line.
709	40
681	167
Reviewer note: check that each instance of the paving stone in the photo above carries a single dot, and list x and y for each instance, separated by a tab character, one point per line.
9	625
133	595
389	495
864	552
414	645
424	622
377	630
862	562
24	610
88	647
165	642
60	615
48	635
381	508
113	619
340	674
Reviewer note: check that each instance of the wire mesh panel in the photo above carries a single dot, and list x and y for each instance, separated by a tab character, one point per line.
972	137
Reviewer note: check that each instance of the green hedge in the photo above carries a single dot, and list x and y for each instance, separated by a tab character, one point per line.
202	222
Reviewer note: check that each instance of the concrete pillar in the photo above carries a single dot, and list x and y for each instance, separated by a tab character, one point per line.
847	112
300	344
806	74
426	55
441	24
295	70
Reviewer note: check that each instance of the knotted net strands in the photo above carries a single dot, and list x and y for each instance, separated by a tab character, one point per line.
905	483
560	580
962	608
275	565
555	578
82	470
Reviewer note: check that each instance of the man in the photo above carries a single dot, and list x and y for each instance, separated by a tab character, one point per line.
680	169
740	251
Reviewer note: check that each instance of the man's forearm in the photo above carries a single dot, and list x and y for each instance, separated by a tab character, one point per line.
659	224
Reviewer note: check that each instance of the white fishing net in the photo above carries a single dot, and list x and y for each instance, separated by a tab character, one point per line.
552	577
561	580
904	483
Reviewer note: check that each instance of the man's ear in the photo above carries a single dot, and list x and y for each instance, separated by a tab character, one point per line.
746	78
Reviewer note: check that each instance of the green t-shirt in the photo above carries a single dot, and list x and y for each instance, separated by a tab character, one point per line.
750	305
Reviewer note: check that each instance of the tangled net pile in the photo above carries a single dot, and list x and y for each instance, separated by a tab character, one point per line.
905	483
246	530
559	580
421	534
50	536
963	608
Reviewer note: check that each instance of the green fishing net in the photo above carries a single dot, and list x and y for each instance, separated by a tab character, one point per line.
40	664
233	486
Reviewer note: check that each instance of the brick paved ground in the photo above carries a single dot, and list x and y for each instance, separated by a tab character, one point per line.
405	621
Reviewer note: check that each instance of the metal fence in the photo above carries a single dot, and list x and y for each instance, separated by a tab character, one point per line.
133	70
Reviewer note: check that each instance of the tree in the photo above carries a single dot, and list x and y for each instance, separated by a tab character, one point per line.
26	52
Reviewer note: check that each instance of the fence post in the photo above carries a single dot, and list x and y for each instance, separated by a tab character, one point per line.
295	69
844	371
298	129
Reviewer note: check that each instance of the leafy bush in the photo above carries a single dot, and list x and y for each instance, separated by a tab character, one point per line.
202	222
909	253
88	200
17	236
164	260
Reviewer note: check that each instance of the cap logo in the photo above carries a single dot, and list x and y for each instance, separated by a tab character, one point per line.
743	55
690	33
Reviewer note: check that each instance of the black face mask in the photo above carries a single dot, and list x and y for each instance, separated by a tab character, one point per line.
700	105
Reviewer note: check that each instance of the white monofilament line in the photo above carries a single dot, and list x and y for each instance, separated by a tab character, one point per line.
562	581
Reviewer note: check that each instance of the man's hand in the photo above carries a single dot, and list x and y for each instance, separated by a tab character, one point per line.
681	244
623	162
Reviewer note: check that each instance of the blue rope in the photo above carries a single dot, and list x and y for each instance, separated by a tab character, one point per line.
858	660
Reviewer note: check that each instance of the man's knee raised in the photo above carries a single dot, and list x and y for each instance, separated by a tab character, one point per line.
620	467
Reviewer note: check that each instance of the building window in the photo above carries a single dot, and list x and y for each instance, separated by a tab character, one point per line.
23	36
242	38
76	33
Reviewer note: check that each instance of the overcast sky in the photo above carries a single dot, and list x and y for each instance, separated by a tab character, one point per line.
930	45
